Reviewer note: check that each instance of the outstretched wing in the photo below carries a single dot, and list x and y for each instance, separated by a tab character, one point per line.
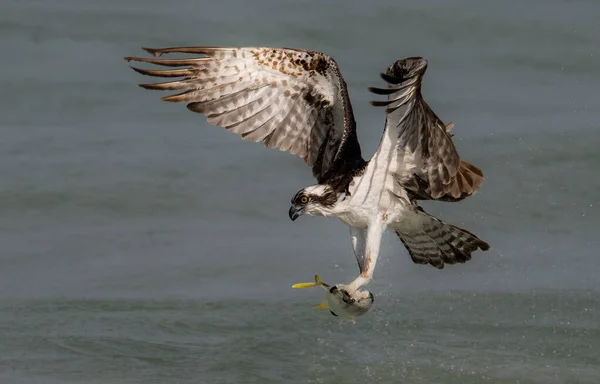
426	160
291	99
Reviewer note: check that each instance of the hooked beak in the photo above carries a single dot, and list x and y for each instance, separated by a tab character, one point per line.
295	211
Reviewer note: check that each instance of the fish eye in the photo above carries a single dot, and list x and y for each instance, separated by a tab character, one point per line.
304	199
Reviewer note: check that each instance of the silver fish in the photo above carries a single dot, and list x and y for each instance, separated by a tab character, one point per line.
339	301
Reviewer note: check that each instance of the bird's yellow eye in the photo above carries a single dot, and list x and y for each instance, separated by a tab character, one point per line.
304	199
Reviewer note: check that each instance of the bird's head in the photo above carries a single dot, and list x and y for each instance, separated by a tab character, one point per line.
313	200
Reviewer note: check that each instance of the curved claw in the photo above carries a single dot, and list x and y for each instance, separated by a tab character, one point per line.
347	298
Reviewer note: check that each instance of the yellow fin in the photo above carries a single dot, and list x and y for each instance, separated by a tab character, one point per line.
320	281
323	305
304	285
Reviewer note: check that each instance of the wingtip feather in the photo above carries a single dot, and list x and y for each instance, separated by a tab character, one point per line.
164	72
380	103
382	91
156	52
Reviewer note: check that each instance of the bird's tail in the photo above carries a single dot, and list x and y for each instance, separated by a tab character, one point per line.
439	243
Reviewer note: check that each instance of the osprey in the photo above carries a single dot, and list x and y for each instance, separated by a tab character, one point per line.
297	101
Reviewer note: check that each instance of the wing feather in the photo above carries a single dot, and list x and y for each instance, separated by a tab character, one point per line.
225	103
426	161
291	99
247	111
265	129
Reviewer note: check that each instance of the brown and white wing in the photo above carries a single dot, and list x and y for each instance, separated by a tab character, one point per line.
429	240
291	99
427	163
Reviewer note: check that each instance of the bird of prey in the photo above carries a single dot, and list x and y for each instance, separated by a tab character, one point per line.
297	101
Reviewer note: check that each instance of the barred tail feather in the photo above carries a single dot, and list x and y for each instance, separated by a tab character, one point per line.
439	243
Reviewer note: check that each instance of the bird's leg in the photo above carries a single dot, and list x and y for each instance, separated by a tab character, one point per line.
371	252
358	236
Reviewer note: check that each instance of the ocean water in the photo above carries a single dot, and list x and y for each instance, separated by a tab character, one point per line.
142	245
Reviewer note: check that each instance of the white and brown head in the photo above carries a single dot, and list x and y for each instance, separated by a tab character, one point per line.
313	200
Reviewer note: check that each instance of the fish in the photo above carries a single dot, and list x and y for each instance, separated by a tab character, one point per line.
339	302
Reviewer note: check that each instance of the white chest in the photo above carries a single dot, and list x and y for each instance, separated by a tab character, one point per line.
376	191
364	204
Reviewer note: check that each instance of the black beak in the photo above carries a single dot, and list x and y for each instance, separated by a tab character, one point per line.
295	211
